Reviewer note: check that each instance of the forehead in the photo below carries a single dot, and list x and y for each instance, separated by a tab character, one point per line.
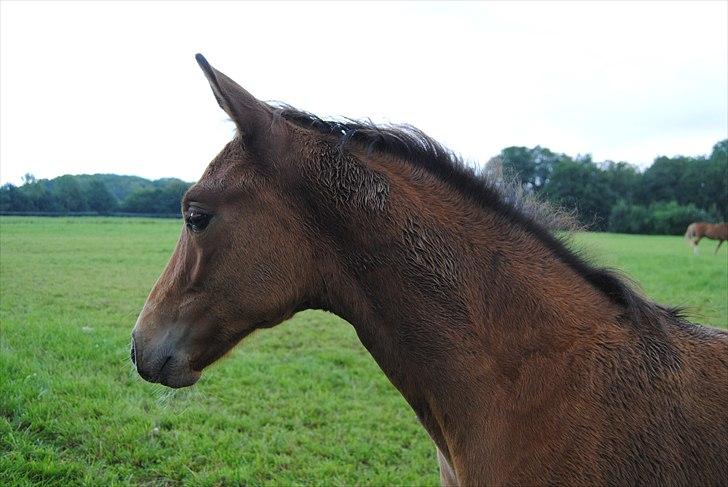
230	171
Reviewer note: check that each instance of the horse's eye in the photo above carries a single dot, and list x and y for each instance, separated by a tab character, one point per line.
196	220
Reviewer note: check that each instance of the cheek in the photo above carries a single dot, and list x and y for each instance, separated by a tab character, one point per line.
265	274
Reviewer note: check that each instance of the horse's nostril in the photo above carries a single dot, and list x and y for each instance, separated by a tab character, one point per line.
133	351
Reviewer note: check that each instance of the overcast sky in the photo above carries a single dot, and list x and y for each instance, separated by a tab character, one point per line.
97	87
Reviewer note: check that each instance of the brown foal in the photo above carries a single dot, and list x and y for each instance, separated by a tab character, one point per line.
524	363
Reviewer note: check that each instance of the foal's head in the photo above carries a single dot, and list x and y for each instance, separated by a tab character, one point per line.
244	259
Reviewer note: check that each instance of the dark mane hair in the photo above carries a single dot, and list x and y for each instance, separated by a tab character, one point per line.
413	145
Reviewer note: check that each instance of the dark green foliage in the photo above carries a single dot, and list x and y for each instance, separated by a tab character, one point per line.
580	184
142	200
661	218
165	199
717	178
121	186
532	166
99	193
628	218
68	195
670	194
13	199
40	196
99	197
623	180
672	219
664	180
702	181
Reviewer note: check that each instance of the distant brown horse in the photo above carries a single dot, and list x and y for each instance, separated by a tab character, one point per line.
525	364
698	230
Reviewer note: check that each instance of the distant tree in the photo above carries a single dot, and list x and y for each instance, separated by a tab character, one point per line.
579	184
28	178
119	186
662	180
623	179
701	181
628	218
172	196
705	185
664	218
12	199
40	197
165	199
142	201
532	167
68	194
718	178
671	218
99	198
720	151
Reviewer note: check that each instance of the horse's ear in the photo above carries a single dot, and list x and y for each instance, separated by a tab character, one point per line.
251	116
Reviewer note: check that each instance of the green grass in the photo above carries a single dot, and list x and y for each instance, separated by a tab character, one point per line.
302	403
665	269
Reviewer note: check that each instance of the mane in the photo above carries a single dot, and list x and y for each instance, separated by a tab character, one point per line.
507	199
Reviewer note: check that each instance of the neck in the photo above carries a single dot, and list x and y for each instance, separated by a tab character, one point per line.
451	305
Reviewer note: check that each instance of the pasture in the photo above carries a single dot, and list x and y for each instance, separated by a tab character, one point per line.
302	403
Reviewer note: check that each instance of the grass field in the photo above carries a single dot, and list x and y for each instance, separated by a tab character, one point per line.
299	404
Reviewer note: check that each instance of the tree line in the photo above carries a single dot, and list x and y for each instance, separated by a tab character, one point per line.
618	197
96	193
610	196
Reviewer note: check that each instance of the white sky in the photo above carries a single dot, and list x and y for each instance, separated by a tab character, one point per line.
89	87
